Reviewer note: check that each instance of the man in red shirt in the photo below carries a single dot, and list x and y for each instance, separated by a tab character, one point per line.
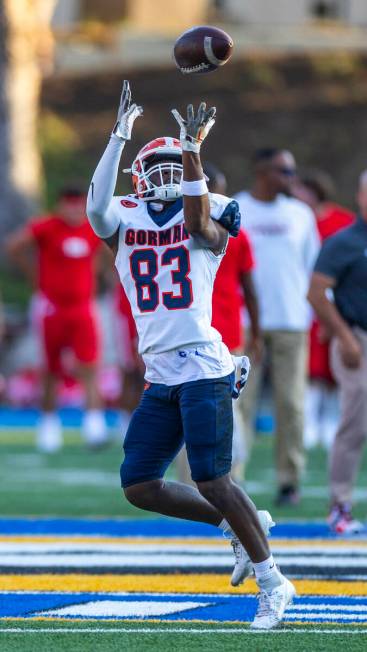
130	362
315	189
65	247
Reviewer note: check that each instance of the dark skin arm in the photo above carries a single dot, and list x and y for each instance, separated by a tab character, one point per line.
198	223
112	242
255	345
20	247
329	315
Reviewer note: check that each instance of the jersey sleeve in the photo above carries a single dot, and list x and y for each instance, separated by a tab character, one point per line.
246	260
227	212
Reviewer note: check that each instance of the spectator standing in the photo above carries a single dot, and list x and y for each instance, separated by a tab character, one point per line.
342	268
65	247
233	289
285	242
321	410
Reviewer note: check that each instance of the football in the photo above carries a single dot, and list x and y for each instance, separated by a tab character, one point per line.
202	49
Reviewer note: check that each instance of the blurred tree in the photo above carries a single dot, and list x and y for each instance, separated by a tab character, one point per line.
26	53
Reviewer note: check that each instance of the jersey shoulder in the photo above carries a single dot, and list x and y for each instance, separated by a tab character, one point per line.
226	211
127	207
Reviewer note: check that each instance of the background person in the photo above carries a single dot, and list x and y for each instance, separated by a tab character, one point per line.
233	290
130	363
233	286
321	409
342	268
285	242
57	253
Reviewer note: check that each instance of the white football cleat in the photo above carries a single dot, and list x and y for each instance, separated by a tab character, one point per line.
272	605
243	564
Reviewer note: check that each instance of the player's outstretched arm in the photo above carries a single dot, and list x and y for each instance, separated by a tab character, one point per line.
103	221
193	130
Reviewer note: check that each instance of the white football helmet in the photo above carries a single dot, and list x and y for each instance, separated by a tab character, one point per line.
157	170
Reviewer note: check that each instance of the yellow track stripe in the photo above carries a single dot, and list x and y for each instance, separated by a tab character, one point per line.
198	583
142	541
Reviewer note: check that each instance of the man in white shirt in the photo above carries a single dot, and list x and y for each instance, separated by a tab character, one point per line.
285	243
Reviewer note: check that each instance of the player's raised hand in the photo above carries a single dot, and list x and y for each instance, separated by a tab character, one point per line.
195	128
127	113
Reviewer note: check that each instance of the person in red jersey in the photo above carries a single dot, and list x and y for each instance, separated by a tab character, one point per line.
65	248
129	360
316	189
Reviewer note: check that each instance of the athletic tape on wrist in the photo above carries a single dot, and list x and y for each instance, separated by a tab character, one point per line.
194	188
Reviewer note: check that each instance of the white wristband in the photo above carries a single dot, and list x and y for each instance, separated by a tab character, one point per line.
194	188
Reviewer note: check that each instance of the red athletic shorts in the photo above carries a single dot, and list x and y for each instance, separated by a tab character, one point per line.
69	329
319	366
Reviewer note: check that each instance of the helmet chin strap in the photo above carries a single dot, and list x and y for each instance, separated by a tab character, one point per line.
168	194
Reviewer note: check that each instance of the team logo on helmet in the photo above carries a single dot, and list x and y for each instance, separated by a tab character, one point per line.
157	170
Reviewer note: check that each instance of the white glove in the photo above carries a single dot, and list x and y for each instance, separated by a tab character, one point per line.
193	130
242	363
126	114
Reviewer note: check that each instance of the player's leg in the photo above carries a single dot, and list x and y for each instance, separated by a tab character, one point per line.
288	373
350	438
207	416
86	346
153	439
49	431
247	405
206	408
240	452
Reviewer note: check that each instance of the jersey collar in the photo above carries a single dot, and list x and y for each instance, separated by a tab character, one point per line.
160	219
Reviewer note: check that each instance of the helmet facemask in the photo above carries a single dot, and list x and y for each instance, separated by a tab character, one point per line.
163	181
157	170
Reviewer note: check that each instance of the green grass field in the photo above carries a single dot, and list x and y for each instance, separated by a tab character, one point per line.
80	483
137	638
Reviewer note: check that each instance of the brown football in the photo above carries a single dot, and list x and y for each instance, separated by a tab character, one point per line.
202	49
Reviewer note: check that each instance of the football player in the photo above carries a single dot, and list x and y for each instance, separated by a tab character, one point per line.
169	238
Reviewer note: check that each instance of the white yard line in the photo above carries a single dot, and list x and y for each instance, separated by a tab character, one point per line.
179	630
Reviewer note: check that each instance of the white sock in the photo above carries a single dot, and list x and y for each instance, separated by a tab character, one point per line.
267	574
226	528
49	432
94	427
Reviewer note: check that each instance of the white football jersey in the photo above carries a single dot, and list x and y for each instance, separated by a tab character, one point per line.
168	278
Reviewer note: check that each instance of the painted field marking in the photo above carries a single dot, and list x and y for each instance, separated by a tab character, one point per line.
161	560
177	542
124	609
175	583
168	630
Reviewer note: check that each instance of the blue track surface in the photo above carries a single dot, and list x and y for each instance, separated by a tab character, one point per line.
209	607
163	527
28	417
